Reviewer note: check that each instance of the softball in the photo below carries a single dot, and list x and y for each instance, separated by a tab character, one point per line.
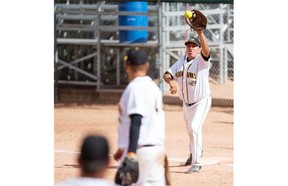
188	14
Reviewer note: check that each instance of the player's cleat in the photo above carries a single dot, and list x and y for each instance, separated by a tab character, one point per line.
194	168
189	160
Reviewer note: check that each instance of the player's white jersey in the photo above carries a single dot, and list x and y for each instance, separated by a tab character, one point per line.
142	96
192	76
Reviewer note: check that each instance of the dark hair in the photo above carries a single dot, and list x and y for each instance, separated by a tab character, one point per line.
94	153
136	56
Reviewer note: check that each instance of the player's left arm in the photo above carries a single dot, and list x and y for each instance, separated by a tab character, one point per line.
205	52
134	133
128	172
133	137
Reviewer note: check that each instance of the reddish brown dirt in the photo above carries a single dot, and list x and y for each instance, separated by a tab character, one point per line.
72	122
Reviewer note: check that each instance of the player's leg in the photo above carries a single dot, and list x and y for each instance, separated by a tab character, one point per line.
200	112
188	115
151	166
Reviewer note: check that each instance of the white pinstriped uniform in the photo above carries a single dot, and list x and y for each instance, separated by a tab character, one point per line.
194	89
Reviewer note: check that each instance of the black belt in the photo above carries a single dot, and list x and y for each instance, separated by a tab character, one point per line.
148	145
190	104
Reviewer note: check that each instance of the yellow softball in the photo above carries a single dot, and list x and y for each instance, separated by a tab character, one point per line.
188	14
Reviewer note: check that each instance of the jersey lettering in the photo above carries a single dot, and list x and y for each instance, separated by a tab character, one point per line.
191	75
179	74
192	82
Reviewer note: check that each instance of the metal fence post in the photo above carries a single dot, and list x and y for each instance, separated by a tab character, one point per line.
98	74
221	64
118	66
225	65
160	46
55	62
222	78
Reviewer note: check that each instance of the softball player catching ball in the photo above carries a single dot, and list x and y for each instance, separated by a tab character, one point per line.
141	125
191	72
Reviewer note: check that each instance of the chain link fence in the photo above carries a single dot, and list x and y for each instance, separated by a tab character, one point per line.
89	53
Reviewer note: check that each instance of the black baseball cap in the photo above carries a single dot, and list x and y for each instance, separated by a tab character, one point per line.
94	153
136	56
193	40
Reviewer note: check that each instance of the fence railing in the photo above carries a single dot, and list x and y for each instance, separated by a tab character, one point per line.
89	52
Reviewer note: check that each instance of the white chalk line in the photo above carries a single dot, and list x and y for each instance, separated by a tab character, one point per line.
205	161
66	151
77	152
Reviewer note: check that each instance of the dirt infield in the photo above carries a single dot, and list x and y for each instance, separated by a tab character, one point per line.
73	121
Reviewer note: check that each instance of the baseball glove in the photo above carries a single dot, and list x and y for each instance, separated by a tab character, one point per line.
128	172
198	21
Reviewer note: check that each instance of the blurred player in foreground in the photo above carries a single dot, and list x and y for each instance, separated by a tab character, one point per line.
141	124
93	161
191	72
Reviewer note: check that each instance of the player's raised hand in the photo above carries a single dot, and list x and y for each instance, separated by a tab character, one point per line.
199	31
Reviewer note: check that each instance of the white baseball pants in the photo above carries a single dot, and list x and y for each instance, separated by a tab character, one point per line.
151	166
194	118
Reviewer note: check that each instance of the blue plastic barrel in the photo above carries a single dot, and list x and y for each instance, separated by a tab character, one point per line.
133	36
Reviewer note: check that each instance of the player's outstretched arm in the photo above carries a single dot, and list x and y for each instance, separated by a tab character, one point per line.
204	44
